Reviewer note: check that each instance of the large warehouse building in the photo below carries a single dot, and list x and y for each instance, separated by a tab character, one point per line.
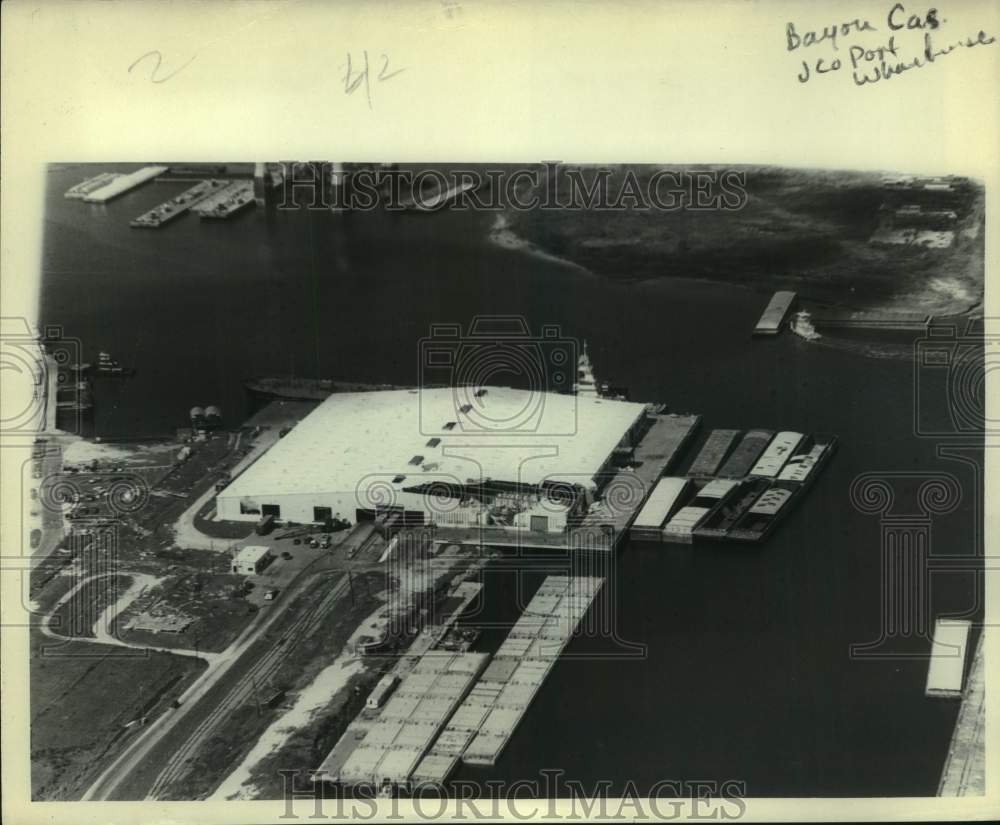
453	456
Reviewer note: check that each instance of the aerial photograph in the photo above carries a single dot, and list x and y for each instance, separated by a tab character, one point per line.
408	480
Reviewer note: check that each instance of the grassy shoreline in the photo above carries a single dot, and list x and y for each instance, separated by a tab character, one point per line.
812	232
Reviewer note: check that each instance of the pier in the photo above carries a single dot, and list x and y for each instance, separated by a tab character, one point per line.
173	208
484	723
371	728
448	707
84	188
410	721
124	183
771	321
964	772
626	493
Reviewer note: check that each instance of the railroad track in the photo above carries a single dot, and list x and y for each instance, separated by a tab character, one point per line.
267	665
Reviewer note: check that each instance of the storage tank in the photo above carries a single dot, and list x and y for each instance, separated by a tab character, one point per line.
213	415
197	413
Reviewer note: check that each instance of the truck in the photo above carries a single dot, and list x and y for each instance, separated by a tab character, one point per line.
265	525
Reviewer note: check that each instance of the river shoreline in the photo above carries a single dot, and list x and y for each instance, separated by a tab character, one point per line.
503	236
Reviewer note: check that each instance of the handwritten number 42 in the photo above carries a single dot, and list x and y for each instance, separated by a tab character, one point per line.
353	80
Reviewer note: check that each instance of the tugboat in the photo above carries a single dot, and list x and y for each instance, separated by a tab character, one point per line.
106	365
802	326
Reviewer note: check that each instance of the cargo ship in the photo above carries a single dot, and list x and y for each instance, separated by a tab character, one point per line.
309	389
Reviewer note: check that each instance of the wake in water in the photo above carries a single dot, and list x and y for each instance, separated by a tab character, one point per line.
895	350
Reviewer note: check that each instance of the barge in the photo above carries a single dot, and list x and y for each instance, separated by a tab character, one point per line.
754	491
658	508
745	456
777	310
292	388
175	207
781	448
945	674
713	453
716	525
783	493
681	528
235	197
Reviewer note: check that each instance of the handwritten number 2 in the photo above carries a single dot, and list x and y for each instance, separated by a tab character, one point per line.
385	67
154	72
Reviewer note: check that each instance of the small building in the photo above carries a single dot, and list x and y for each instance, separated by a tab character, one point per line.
250	560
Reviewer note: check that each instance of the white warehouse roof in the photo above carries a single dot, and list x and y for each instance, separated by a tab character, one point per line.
354	440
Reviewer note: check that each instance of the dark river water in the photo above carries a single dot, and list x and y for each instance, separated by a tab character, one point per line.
747	673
